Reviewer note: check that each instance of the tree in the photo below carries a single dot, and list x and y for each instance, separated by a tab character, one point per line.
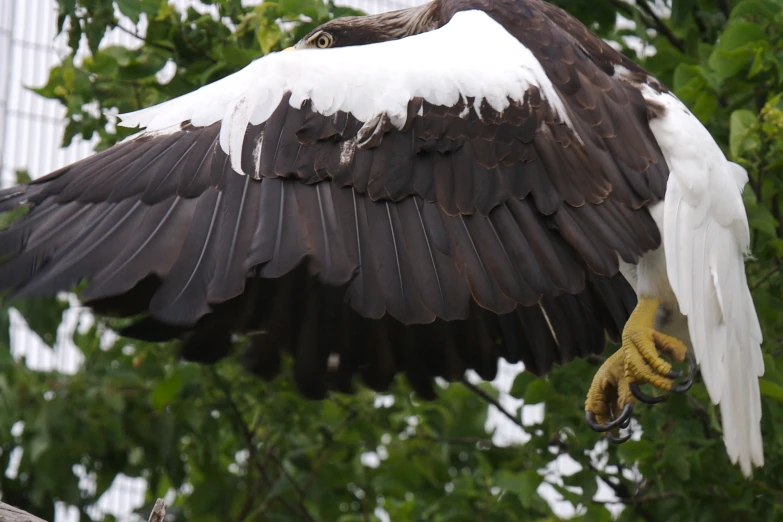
240	449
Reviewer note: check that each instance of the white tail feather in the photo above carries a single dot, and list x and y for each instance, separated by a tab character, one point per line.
705	236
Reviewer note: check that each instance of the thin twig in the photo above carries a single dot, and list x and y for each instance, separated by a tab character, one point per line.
491	400
327	452
620	490
661	27
723	5
459	441
300	494
250	500
624	8
640	500
703	31
650	20
710	432
240	423
158	513
765	278
146	42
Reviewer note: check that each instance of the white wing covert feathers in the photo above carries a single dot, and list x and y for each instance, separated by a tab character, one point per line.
442	67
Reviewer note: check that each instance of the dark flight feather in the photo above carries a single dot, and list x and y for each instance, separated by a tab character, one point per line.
363	250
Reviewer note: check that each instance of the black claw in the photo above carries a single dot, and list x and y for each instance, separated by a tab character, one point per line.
687	382
682	387
619	440
674	374
622	421
643	397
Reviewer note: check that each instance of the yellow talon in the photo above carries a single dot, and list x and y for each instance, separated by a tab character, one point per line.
636	362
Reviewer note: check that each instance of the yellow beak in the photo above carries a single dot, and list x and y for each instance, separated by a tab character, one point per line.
289	49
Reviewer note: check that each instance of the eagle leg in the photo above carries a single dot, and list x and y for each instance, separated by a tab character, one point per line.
609	404
615	387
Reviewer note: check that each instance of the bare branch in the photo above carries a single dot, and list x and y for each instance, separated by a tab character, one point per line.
766	277
466	441
645	499
649	19
12	514
144	40
158	511
491	400
239	422
327	452
614	482
660	26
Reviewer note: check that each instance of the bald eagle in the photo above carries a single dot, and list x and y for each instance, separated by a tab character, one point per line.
419	192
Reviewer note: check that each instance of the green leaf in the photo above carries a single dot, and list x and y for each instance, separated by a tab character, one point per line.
771	389
596	513
761	219
739	34
682	10
166	390
740	139
705	106
269	36
524	485
636	450
756	9
521	382
134	8
43	315
538	391
736	48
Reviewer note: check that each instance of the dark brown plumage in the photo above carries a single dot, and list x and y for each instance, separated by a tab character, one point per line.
465	236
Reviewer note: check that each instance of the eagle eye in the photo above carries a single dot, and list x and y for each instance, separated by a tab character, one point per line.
322	40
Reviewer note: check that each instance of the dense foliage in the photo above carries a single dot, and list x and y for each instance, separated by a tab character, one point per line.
237	449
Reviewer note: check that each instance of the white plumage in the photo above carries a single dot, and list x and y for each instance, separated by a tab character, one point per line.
705	237
367	81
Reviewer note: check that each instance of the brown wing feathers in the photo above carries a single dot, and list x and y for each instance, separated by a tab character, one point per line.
466	236
393	263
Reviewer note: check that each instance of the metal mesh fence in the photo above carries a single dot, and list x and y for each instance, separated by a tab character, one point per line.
31	130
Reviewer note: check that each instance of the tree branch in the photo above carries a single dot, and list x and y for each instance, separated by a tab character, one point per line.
328	452
619	488
12	514
239	422
649	19
660	26
766	277
482	443
144	40
724	6
491	400
645	499
158	511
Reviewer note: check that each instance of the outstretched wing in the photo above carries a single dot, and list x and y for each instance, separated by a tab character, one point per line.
425	205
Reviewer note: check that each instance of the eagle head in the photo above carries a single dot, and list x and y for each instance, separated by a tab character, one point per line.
362	30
